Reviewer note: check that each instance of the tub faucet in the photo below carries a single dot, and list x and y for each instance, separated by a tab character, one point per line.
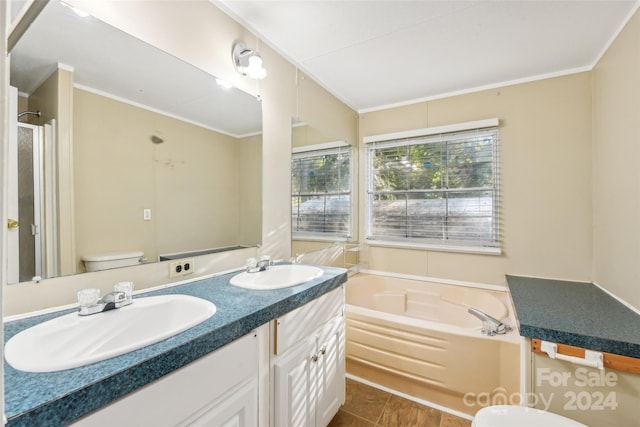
496	326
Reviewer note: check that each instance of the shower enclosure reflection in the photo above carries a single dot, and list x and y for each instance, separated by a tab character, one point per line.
29	203
26	204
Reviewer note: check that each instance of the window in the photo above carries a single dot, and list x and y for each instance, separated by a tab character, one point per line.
434	188
321	193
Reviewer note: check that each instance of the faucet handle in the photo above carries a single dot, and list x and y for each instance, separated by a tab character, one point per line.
251	262
488	328
88	297
506	324
266	259
125	287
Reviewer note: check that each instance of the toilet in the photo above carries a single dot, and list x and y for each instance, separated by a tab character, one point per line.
520	416
107	260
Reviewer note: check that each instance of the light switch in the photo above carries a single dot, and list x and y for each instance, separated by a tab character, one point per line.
146	214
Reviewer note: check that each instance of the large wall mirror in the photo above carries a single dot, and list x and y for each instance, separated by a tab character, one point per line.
126	148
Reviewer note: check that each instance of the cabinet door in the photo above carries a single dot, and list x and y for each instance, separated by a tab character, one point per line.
331	371
179	395
295	386
238	408
300	323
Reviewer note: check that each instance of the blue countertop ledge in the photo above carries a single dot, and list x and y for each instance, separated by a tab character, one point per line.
574	313
59	398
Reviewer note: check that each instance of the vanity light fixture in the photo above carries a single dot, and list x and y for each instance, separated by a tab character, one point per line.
248	62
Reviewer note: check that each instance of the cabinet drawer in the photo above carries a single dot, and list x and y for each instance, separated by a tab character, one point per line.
301	322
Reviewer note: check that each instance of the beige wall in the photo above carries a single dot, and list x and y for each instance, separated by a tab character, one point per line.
616	175
316	107
545	181
191	182
304	135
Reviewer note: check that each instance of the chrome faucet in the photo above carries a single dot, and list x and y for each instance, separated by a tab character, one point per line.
90	302
110	301
496	326
254	266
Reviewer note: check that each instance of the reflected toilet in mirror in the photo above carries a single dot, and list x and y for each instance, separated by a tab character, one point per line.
106	261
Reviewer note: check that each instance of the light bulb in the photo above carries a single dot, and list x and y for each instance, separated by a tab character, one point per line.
255	69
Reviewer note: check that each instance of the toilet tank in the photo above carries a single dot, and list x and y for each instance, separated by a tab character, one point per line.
107	260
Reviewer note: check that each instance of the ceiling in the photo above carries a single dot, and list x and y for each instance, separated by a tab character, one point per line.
377	53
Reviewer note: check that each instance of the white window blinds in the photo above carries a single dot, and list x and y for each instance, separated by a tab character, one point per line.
439	188
321	193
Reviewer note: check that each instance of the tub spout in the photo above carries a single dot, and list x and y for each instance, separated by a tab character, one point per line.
495	326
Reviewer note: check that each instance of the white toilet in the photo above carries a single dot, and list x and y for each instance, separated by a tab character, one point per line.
520	416
107	260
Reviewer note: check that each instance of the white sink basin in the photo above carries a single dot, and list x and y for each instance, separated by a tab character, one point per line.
277	277
71	340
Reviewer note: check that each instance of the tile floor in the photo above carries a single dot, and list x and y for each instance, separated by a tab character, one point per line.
367	406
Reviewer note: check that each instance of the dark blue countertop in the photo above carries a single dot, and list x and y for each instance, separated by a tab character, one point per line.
574	313
59	398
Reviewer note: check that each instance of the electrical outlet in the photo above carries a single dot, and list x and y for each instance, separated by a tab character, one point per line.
181	267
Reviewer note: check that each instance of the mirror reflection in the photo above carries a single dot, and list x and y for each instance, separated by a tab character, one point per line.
323	212
130	150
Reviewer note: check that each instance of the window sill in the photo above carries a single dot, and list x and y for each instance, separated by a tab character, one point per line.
480	250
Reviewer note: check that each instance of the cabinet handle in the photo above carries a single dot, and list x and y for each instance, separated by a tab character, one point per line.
322	351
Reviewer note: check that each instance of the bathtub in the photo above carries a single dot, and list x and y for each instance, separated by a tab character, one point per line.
416	337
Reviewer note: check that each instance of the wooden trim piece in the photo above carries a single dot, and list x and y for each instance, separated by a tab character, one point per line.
611	361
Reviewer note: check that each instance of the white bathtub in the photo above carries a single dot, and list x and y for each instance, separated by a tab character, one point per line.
416	337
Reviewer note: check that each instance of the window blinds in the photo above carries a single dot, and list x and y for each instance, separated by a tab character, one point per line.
437	188
321	192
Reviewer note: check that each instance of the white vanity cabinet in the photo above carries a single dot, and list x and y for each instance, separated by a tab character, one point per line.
308	363
289	372
220	389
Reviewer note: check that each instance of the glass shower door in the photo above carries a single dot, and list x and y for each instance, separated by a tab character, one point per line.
29	180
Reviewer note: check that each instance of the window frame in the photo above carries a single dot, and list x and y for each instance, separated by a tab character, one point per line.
319	150
426	136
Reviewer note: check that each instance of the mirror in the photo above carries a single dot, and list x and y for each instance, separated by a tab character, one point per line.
323	163
140	151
